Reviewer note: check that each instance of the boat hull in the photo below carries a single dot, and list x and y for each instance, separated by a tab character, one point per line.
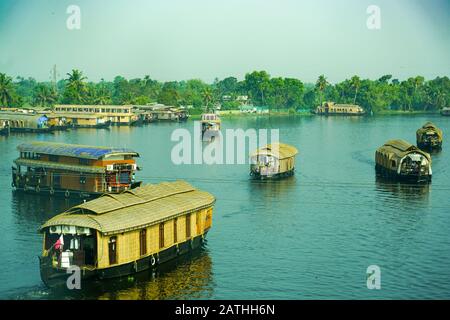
391	174
258	176
53	277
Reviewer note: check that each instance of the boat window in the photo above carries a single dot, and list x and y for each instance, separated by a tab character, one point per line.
161	235
112	246
143	241
53	158
82	179
393	163
188	226
84	162
175	231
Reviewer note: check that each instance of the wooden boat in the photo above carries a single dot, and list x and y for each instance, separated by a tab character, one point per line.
330	108
210	123
75	121
26	122
118	235
273	161
429	137
73	170
445	111
401	160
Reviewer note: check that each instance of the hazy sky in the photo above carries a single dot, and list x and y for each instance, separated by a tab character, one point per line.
184	39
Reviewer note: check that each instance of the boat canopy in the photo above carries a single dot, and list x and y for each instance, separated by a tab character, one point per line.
401	148
277	150
135	209
73	150
429	126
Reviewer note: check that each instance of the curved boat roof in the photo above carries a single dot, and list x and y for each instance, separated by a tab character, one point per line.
429	126
278	150
135	209
73	150
401	148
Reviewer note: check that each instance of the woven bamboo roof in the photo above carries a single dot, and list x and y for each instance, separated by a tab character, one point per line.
429	126
72	150
135	209
56	165
401	148
278	150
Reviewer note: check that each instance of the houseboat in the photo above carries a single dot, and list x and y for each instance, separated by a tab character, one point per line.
330	108
401	160
4	127
118	115
122	234
73	170
445	111
26	123
75	121
273	161
210	124
429	137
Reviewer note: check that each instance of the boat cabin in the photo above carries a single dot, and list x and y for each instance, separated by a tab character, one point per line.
401	160
26	123
445	111
429	137
118	115
273	161
121	234
74	170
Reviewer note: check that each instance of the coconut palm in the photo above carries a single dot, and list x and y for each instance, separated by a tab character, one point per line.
321	85
44	96
75	89
207	97
6	90
355	82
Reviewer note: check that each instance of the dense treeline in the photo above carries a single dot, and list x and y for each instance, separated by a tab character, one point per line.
277	93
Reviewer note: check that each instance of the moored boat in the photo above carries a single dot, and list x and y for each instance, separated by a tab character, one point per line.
210	123
26	123
73	170
119	235
4	127
429	137
445	111
273	161
401	160
330	109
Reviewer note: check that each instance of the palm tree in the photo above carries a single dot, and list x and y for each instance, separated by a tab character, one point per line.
75	87
6	90
321	85
44	96
355	82
207	97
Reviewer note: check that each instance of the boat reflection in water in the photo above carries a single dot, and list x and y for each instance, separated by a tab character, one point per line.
187	277
407	191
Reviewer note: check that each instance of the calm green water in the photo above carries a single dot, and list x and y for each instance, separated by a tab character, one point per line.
309	236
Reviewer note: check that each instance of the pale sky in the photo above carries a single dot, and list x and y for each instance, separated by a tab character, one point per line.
185	39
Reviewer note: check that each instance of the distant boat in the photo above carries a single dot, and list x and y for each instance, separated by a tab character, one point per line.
401	160
26	123
429	137
332	109
4	127
210	126
445	111
273	161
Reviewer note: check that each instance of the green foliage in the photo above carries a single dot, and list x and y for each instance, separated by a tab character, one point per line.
385	93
